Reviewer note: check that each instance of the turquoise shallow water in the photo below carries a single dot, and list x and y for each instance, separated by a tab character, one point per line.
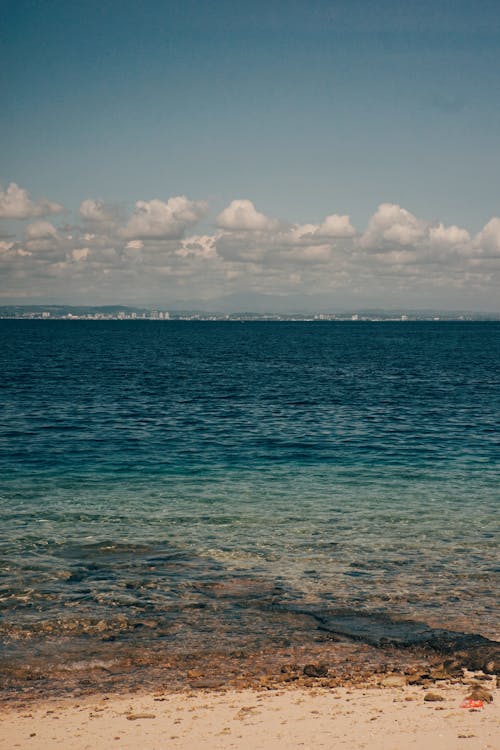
152	469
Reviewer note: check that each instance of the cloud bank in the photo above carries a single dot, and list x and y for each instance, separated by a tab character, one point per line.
15	203
159	252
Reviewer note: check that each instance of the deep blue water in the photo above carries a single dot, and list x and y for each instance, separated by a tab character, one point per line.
345	464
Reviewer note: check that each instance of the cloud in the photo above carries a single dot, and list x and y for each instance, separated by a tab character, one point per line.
80	254
40	230
241	215
488	239
15	203
97	212
448	236
333	227
336	226
156	254
200	246
392	225
157	219
5	247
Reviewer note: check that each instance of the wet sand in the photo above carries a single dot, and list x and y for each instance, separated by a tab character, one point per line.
389	716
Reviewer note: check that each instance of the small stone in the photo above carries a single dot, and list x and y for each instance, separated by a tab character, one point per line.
134	717
433	697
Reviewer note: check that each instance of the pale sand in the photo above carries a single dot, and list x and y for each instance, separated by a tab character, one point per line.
389	718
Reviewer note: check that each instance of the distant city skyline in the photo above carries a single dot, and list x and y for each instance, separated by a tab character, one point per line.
123	312
318	155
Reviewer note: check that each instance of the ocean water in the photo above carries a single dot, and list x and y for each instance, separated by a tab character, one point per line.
177	485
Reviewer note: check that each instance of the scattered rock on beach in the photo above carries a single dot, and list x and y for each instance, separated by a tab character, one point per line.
315	670
478	693
433	697
418	679
491	666
134	717
393	680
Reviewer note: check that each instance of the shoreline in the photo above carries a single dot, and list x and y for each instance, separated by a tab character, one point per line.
388	716
313	657
324	662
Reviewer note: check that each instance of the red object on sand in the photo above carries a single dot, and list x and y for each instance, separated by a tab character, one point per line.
471	703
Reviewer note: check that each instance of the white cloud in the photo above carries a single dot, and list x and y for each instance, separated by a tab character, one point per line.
336	226
134	245
448	236
392	225
302	232
155	254
488	239
157	219
15	203
80	254
201	246
241	215
96	212
39	230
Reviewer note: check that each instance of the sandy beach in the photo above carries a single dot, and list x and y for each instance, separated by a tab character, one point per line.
380	718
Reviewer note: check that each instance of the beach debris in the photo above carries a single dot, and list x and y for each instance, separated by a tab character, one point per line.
315	670
470	703
433	697
135	717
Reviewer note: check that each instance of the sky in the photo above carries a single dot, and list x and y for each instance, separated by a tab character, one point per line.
270	155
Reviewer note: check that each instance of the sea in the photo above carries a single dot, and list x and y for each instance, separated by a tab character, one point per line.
172	491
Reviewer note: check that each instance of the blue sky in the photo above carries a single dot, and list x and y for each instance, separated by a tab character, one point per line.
307	109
